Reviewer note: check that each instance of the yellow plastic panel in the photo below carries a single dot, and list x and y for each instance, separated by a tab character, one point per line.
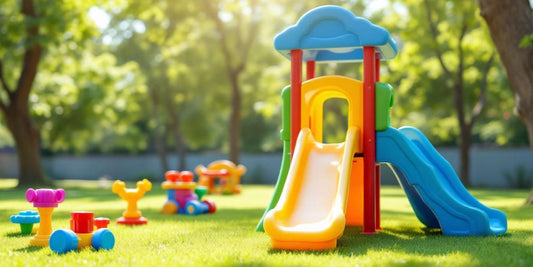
316	91
310	212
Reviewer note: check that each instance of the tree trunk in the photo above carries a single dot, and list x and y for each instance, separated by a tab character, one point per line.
160	140
464	135
529	200
465	145
27	141
509	21
235	119
179	142
235	66
16	111
161	147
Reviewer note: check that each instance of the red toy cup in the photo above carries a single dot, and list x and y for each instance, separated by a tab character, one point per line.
82	222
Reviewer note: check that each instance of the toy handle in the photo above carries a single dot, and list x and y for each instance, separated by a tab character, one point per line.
31	195
60	195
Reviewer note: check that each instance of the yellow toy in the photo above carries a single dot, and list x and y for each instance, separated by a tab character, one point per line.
45	200
132	215
227	172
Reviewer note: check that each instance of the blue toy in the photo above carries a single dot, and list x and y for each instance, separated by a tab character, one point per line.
26	219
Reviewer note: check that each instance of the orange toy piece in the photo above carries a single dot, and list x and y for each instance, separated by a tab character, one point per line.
227	172
132	215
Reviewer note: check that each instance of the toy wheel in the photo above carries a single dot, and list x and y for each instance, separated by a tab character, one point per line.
193	207
63	240
211	204
170	207
103	239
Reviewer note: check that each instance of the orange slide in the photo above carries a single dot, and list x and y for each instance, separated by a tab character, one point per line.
310	214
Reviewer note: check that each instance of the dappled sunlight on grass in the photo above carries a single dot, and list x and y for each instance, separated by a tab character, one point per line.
227	237
7	183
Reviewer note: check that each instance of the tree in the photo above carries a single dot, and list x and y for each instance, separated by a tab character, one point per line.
465	119
77	99
236	37
169	52
14	104
443	63
27	30
511	23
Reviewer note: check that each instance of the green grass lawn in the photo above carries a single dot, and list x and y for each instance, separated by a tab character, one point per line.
227	238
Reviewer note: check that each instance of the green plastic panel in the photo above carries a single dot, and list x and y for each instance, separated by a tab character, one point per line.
384	102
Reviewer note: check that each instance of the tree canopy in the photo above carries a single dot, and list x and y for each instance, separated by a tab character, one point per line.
178	76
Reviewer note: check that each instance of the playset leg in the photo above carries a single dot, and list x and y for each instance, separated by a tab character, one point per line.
377	196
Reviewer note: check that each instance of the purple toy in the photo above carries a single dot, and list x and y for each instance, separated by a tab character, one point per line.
183	196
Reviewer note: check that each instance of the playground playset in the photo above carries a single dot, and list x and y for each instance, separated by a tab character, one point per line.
132	215
81	235
226	172
322	187
184	196
26	219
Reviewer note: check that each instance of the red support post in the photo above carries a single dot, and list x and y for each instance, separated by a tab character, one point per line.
369	139
310	70
378	170
378	198
296	96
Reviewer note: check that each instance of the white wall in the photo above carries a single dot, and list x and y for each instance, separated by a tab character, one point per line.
489	165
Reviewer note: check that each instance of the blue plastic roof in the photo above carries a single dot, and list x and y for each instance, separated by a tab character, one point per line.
333	33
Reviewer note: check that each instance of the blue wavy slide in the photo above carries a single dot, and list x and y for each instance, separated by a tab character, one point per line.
436	194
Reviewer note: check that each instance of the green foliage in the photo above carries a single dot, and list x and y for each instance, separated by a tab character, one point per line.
88	103
81	99
118	88
527	41
423	91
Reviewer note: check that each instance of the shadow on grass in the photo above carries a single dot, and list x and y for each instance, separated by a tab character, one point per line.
246	218
19	234
29	249
425	244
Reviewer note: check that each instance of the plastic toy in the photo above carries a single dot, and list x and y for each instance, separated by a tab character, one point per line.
227	173
132	215
26	219
45	200
183	196
323	187
81	234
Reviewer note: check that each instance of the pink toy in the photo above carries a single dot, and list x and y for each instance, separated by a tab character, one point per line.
45	200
